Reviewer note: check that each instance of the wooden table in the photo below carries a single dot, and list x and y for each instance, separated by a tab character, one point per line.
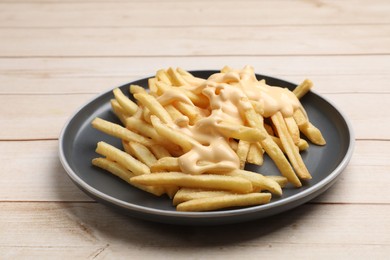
56	55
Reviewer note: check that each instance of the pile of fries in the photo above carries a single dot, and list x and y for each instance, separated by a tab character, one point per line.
190	138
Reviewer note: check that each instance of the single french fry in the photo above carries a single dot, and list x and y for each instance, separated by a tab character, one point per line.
119	111
160	151
125	175
204	181
173	112
113	168
134	89
171	191
303	88
192	112
241	132
166	164
184	141
290	148
281	180
154	106
176	78
123	158
193	81
242	152
308	129
258	181
163	76
140	126
293	129
128	105
146	114
120	131
184	72
153	90
142	153
303	145
255	154
225	201
186	194
198	100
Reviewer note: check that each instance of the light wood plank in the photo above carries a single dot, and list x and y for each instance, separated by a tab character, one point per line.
39	176
43	116
330	74
190	41
189	13
90	230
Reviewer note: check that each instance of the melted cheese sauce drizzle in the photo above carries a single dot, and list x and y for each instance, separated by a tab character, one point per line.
225	91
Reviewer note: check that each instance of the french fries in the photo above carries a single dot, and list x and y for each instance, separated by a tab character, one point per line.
191	138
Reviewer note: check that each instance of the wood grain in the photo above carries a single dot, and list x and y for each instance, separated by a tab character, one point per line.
189	13
190	41
330	74
86	233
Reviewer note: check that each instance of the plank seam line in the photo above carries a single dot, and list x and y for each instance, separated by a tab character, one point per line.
191	26
190	55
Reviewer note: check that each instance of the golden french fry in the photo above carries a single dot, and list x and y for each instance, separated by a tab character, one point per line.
224	201
192	112
290	148
160	151
281	180
134	89
114	168
124	174
184	141
186	194
140	126
163	76
171	191
198	100
154	91
174	112
255	154
239	132
154	106
204	181
122	158
142	153
308	129
176	78
293	129
119	111
303	88
166	164
272	149
258	181
303	145
128	105
242	152
120	132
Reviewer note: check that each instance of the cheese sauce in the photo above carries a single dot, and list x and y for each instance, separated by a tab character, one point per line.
225	92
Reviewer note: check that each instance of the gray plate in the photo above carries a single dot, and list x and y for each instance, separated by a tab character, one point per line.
78	142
